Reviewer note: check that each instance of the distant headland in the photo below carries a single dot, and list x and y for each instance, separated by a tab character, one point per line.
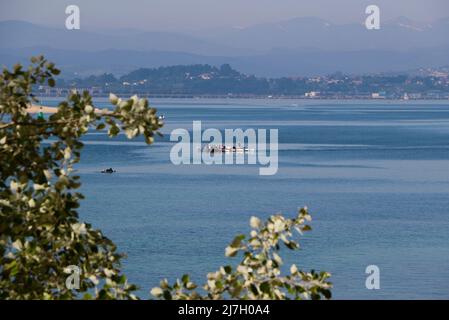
206	81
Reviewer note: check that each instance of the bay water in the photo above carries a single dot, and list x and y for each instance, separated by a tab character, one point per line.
374	175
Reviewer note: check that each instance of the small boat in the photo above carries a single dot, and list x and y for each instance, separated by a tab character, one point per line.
109	170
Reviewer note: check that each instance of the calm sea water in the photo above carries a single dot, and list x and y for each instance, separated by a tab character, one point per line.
375	176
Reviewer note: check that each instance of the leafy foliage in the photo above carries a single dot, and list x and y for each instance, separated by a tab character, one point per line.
258	275
40	232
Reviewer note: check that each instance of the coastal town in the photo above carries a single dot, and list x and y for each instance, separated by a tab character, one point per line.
205	81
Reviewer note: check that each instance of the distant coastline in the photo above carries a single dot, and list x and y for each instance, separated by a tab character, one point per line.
242	96
206	81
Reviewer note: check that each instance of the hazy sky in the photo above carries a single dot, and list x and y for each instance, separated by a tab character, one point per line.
184	15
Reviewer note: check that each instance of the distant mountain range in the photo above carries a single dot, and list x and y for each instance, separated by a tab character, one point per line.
301	46
316	34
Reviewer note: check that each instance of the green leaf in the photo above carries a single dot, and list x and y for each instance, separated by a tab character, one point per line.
254	289
237	241
113	131
167	295
326	293
51	82
265	287
185	279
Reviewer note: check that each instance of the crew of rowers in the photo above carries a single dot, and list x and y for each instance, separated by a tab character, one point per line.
223	148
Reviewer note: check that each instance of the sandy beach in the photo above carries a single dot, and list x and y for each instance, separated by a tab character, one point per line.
45	109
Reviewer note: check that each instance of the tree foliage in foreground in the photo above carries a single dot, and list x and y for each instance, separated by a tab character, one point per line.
41	235
258	275
40	232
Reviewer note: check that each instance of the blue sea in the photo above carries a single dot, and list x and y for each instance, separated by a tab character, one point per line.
374	175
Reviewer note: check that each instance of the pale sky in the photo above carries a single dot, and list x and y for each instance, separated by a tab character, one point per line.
185	15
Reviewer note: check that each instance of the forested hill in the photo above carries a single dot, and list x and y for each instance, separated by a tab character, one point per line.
192	79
